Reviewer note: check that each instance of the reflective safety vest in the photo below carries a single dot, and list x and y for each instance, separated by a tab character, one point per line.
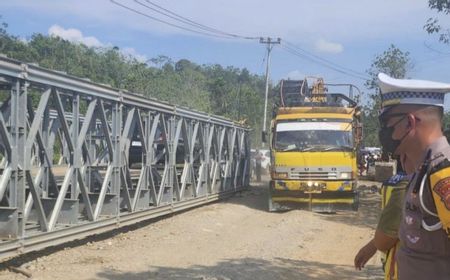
389	263
395	183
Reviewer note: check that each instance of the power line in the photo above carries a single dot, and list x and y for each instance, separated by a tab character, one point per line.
176	17
166	22
294	52
337	69
217	33
323	59
435	50
185	20
204	30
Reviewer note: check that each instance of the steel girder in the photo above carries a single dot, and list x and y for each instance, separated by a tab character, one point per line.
79	158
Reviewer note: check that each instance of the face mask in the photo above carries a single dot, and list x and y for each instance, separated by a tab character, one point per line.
385	137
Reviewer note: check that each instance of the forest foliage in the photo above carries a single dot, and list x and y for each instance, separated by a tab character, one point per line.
226	91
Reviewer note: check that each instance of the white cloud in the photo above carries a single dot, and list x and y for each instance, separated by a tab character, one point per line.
76	36
73	35
133	53
329	47
23	39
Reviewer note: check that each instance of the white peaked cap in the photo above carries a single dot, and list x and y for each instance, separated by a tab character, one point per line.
408	91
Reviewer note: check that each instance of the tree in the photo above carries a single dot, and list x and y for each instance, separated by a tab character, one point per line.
184	64
433	26
446	121
3	26
395	63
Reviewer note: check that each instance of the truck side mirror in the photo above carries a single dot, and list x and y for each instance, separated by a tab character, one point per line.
264	136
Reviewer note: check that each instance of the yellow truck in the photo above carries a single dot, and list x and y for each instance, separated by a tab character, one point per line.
314	142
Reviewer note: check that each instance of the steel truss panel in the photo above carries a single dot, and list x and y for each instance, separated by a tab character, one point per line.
79	158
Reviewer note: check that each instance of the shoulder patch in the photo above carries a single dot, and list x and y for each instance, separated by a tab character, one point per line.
440	184
442	188
441	165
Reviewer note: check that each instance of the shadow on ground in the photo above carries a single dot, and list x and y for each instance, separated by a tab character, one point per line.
256	197
366	216
249	268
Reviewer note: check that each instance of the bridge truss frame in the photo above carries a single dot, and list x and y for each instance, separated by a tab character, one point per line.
66	171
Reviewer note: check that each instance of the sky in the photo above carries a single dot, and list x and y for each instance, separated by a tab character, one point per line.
347	33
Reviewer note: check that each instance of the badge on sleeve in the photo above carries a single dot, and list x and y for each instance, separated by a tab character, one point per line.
440	186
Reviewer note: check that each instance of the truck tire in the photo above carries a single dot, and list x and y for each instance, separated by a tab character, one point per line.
270	203
355	205
272	206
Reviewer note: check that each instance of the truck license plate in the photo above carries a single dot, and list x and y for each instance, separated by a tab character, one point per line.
312	191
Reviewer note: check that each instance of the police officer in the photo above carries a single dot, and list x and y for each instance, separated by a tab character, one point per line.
386	234
411	129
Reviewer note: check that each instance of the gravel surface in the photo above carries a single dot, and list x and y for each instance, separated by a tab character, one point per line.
233	239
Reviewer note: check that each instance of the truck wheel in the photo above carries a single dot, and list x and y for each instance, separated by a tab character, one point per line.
270	203
355	204
272	207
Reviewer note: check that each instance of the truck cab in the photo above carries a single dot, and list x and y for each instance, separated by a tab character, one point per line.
314	140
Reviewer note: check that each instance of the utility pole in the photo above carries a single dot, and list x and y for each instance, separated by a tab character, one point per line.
269	42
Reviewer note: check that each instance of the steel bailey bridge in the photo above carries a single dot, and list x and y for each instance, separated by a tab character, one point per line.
80	158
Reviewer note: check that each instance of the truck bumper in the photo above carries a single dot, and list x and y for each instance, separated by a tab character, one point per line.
326	201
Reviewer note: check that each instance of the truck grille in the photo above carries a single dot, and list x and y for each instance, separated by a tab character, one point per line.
312	175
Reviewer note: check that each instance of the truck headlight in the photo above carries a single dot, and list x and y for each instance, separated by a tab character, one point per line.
281	175
346	175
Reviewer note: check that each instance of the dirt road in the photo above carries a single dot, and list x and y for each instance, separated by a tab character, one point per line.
233	239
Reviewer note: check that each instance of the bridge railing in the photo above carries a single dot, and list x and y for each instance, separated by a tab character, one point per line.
80	158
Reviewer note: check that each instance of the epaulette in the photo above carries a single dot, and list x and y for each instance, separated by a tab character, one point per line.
441	165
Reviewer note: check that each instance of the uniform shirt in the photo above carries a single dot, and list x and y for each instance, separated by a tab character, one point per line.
423	254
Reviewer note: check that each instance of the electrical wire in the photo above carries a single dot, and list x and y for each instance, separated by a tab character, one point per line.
166	22
177	18
295	53
323	59
435	50
311	59
204	30
185	20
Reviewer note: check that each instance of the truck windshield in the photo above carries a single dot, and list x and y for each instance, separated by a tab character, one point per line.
315	137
